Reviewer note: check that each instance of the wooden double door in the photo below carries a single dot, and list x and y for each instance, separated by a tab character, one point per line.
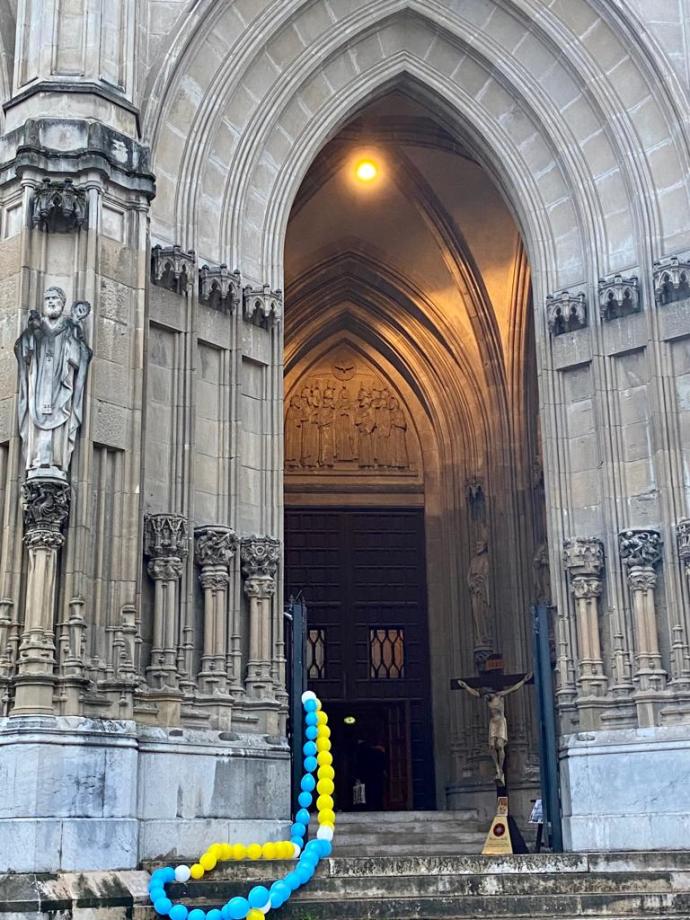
363	576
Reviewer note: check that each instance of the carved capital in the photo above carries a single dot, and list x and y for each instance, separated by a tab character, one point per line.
566	312
262	306
46	504
619	296
214	545
671	279
640	547
43	539
641	578
261	586
683	538
172	268
58	207
585	587
165	568
215	579
165	536
260	556
583	556
220	288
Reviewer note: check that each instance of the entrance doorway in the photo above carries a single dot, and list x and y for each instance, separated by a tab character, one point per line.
363	575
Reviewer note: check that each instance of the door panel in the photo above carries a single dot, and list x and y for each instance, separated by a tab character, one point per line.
363	576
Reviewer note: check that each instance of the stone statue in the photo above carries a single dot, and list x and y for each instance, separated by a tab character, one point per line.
53	360
478	583
541	573
498	724
293	433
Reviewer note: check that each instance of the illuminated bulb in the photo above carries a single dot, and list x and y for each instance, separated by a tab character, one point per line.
366	171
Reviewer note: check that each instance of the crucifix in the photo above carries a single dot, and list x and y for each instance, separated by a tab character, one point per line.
494	686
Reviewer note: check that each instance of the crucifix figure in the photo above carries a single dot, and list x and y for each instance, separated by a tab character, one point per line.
494	688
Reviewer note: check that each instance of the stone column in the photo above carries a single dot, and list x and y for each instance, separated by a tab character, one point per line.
166	545
46	504
214	549
680	656
584	561
260	556
640	551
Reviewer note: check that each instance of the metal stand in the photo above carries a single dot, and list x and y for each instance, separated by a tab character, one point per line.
548	760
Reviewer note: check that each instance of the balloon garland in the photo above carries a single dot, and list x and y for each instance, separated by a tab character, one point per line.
317	758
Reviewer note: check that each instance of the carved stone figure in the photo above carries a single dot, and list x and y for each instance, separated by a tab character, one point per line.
365	423
541	575
478	583
382	432
345	427
293	433
310	429
326	423
53	360
398	435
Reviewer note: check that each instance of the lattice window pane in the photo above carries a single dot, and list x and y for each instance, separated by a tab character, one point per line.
316	654
387	653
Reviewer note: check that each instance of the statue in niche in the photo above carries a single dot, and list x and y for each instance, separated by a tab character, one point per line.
478	583
53	360
345	427
293	433
365	423
398	435
326	420
541	575
382	432
310	429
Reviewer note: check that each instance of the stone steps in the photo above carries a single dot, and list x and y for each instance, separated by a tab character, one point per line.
443	833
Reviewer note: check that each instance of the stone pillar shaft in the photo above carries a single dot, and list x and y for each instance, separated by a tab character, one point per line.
260	557
214	549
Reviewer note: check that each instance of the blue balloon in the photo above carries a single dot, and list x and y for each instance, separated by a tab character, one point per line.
238	908
298	841
312	733
165	873
305	799
325	847
156	893
279	894
225	911
178	912
213	914
308	783
310	706
162	906
292	881
303	874
197	914
298	830
312	847
309	749
302	816
258	896
311	719
310	764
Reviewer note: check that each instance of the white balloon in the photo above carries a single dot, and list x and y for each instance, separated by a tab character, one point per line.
325	833
265	909
308	695
183	874
296	850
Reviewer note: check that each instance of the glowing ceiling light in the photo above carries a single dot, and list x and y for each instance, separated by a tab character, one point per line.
366	170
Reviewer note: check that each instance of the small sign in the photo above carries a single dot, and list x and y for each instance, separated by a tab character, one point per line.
537	815
498	842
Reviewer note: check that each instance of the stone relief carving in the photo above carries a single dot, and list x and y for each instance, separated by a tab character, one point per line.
541	574
640	547
262	306
260	556
46	505
671	279
476	499
683	539
166	538
214	545
478	583
220	288
53	360
566	312
584	556
172	268
58	207
619	296
353	421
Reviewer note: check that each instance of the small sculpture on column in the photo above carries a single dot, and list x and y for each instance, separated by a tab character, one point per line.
478	583
640	552
260	557
166	544
214	548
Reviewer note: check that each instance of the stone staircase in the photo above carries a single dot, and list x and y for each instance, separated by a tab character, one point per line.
409	833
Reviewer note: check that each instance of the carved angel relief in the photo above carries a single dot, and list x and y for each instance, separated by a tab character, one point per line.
344	419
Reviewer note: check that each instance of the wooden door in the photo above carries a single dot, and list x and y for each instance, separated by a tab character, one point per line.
363	576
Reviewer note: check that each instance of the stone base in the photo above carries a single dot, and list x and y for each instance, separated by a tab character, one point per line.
626	789
80	794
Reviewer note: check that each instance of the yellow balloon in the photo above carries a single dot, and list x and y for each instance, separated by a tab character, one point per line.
226	852
325	787
318	705
208	861
239	851
324	758
254	851
268	850
321	718
326	816
326	772
285	850
323	731
197	870
323	744
255	914
325	803
215	850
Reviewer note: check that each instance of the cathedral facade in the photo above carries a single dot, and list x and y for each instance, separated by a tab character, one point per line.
382	304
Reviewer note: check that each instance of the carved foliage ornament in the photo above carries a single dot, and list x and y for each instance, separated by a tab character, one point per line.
619	296
165	536
584	556
58	207
262	306
640	548
220	288
172	268
672	279
586	588
566	312
260	556
683	538
214	545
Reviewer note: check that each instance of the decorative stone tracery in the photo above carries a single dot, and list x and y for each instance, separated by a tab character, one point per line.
173	268
262	306
59	207
220	288
672	279
619	296
566	312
